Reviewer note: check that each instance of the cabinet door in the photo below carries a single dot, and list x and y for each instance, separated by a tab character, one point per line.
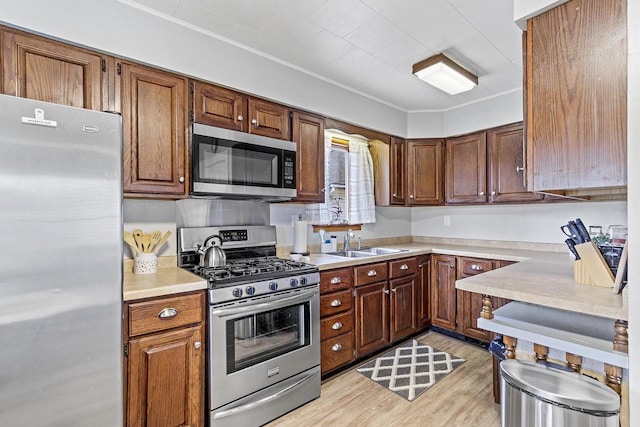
45	70
424	291
469	307
268	119
372	318
217	106
402	307
443	291
466	166
166	379
425	172
506	165
398	170
308	134
154	131
577	95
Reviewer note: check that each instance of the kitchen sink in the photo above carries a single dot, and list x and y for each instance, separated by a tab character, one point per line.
381	251
366	252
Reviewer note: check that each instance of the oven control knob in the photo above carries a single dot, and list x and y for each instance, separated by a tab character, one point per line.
237	292
273	286
294	283
303	281
250	290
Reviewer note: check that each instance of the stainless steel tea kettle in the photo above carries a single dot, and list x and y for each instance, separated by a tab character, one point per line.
212	255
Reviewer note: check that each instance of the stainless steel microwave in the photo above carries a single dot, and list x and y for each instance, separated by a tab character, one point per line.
227	163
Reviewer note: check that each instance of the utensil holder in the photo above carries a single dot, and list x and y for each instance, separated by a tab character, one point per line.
591	268
145	263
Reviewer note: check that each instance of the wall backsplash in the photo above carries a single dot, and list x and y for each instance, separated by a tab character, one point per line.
528	223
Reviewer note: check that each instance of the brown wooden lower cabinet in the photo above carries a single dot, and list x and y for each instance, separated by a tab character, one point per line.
165	364
423	291
402	313
443	286
372	318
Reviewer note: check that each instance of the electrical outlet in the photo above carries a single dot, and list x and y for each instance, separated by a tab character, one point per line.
447	220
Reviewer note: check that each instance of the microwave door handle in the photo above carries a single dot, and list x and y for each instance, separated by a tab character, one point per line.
270	305
264	401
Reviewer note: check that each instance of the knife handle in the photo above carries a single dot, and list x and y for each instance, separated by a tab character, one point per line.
577	239
572	248
582	230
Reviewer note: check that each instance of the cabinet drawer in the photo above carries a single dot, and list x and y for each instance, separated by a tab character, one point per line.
473	266
336	302
336	351
370	273
165	313
335	280
336	325
402	267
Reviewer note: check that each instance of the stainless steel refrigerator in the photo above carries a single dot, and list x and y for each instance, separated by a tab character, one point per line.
60	266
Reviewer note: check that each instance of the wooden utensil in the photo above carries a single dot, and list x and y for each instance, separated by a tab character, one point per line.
137	236
161	242
155	238
146	242
128	238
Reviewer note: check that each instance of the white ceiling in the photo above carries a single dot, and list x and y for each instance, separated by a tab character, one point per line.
369	46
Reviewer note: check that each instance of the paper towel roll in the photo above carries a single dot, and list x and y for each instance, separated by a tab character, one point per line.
299	237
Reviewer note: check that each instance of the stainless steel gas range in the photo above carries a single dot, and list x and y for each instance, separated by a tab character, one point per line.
263	326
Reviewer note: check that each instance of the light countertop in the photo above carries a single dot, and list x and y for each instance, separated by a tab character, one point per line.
167	281
539	277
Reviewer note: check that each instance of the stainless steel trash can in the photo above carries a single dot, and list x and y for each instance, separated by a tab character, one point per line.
535	395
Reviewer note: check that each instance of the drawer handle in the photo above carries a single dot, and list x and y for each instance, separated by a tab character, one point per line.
404	267
336	326
372	273
336	303
168	313
336	280
476	267
337	347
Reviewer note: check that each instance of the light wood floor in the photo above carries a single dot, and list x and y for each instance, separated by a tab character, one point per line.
463	398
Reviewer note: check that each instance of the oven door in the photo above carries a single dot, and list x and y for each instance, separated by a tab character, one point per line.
261	341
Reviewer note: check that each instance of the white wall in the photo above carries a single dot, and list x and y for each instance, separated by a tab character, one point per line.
120	29
525	9
425	124
538	223
633	136
498	110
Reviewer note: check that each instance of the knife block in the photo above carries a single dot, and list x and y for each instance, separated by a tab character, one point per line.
591	268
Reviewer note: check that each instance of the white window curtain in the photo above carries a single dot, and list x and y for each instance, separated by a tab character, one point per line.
362	208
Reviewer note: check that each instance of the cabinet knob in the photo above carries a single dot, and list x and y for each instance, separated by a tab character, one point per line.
336	326
395	194
197	344
240	118
394	290
404	267
386	291
482	193
519	169
336	280
336	303
372	273
181	179
255	122
411	196
337	347
493	193
168	313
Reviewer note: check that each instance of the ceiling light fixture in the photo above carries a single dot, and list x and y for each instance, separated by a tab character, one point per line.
445	74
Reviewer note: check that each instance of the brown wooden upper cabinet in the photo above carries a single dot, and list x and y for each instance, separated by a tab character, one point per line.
154	132
397	176
506	165
268	119
425	171
217	106
466	168
576	95
308	134
45	70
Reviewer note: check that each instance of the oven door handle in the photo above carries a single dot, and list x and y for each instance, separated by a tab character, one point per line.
266	400
271	305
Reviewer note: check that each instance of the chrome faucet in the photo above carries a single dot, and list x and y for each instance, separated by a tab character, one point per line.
347	239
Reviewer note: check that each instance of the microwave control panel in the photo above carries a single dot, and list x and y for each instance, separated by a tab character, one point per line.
289	170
